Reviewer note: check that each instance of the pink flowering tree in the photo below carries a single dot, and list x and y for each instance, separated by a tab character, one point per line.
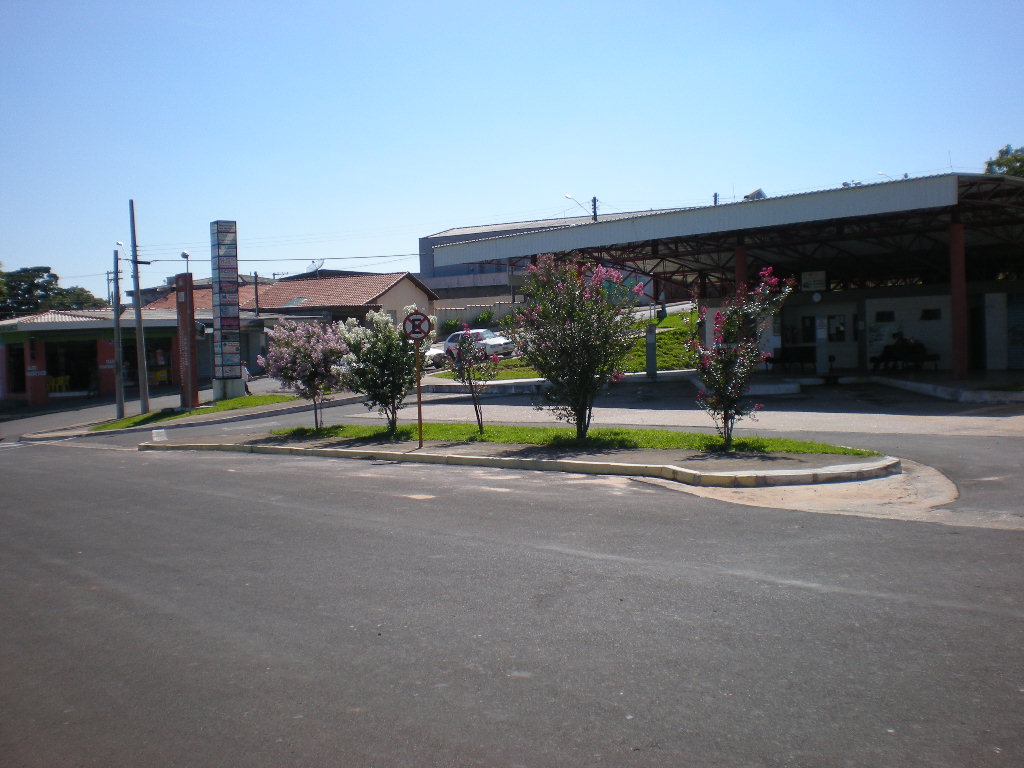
575	328
303	356
473	367
726	365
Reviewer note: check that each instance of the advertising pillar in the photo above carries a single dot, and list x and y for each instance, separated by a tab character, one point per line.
227	340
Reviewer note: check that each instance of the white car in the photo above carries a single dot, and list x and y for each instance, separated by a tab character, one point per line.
433	357
489	341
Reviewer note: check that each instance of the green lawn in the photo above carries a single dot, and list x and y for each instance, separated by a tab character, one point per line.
234	404
566	437
673	351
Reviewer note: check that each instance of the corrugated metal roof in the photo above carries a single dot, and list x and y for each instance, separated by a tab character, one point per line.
866	200
570	221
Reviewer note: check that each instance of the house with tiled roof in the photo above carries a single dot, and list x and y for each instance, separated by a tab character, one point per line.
60	354
332	298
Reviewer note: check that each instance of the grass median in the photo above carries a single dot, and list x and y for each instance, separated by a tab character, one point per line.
234	404
556	437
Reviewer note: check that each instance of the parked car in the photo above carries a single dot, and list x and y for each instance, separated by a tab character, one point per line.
434	357
489	341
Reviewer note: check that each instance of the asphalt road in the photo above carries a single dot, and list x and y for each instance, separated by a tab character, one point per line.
179	609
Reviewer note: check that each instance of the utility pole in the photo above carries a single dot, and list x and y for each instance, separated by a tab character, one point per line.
142	369
118	352
256	288
593	202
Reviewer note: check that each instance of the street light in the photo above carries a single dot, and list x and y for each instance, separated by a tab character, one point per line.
141	364
593	203
186	256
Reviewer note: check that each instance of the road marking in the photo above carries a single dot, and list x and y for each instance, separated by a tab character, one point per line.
783	581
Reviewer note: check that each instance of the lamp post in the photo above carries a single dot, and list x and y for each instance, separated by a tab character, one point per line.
593	203
186	256
141	367
118	352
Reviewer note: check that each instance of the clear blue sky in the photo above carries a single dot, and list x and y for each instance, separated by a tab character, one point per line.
345	131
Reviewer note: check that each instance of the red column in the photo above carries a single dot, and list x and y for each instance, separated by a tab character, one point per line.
105	360
740	259
37	390
958	299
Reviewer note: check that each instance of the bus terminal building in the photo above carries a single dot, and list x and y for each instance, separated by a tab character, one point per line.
938	260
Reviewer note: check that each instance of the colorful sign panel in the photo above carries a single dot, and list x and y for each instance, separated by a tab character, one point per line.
227	362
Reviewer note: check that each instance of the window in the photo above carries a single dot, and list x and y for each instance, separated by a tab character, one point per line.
837	327
806	330
931	314
885	316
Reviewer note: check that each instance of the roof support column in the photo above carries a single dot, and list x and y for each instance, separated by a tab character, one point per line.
740	260
958	297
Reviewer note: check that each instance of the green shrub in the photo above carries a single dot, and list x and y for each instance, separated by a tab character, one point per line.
449	327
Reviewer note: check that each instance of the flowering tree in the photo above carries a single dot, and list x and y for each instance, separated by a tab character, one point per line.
381	364
473	367
575	328
303	356
725	367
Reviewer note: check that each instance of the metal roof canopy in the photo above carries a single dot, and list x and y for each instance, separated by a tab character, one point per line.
890	233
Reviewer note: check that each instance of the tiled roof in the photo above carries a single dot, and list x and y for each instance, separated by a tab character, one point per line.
82	319
202	297
347	291
360	290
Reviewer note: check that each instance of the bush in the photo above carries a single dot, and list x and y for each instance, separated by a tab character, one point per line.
448	327
485	319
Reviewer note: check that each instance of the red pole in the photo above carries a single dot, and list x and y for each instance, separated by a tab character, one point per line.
419	395
958	299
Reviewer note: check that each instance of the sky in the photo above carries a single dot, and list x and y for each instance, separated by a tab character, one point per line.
346	131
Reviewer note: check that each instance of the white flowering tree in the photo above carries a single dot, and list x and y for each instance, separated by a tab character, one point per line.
380	364
575	328
303	357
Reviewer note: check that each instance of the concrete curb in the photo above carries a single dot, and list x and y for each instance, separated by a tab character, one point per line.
840	473
222	417
953	394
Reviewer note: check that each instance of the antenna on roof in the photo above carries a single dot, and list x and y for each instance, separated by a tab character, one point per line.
314	266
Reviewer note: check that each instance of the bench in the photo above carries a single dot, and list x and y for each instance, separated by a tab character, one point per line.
784	357
904	354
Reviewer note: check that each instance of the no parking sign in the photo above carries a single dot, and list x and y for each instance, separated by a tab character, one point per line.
416	326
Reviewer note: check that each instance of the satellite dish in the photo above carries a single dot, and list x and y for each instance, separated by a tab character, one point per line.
314	266
757	194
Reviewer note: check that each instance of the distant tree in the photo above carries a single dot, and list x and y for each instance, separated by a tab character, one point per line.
26	290
74	297
1009	162
575	328
381	364
304	356
35	289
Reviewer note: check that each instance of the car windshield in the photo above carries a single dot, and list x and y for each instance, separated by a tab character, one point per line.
484	334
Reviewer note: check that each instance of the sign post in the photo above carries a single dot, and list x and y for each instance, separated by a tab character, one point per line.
416	327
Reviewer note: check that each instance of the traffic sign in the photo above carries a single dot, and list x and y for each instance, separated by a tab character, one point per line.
416	326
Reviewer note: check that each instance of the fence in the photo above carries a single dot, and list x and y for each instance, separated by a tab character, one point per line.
473	315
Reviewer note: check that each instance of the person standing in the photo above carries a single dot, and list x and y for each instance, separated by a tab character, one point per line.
246	376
